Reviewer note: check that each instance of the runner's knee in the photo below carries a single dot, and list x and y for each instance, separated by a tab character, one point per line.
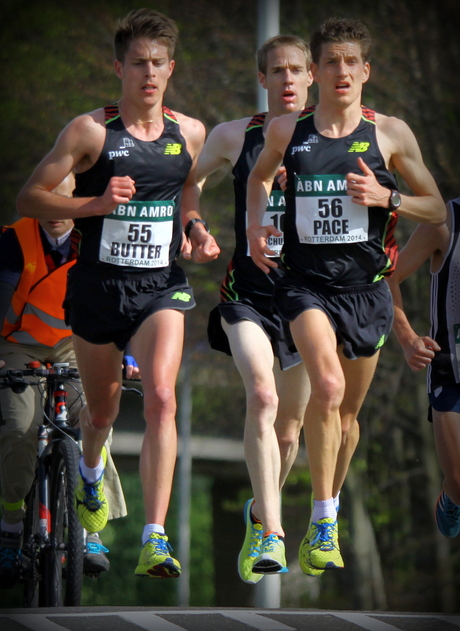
327	392
262	400
160	402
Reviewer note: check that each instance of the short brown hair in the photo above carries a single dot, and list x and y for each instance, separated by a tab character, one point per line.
145	23
281	40
339	30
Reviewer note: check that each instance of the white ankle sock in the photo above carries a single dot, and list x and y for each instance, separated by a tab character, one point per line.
323	509
148	529
337	501
89	474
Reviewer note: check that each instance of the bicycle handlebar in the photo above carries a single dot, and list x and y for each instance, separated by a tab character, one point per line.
15	379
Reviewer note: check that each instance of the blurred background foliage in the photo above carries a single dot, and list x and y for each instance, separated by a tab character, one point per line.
56	62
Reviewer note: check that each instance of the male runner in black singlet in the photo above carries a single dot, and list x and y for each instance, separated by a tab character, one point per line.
438	352
244	323
341	206
133	162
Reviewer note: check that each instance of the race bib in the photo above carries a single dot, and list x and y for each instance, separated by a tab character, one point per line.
325	213
274	216
138	234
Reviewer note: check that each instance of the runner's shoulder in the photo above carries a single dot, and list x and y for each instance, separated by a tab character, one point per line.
88	125
189	126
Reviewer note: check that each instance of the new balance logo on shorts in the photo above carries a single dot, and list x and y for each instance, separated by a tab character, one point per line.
179	295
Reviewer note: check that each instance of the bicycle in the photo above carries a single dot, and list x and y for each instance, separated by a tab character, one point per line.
53	540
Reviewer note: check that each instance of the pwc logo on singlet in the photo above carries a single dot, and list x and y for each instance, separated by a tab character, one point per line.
122	151
306	146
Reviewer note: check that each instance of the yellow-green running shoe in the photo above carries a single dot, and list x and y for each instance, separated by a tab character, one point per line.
155	560
251	547
91	502
320	547
272	557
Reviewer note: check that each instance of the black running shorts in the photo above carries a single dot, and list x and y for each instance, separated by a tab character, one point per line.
102	309
270	322
361	317
444	399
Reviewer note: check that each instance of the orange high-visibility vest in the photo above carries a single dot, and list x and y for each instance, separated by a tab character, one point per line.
36	315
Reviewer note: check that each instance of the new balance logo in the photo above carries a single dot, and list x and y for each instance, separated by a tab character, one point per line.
179	295
359	147
173	149
127	142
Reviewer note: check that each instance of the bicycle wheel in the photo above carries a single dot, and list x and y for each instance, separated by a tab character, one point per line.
31	550
63	575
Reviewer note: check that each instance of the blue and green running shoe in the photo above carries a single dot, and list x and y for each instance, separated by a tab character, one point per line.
272	557
251	547
447	516
155	560
320	547
91	502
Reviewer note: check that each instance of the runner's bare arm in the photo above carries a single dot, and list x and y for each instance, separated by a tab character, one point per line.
76	149
221	150
402	152
426	241
260	183
204	246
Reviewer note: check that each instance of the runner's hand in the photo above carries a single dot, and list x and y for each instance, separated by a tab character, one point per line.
282	178
186	248
364	189
130	367
204	246
119	191
257	238
420	351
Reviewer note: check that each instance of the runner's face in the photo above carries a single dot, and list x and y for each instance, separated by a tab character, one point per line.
145	71
287	80
341	72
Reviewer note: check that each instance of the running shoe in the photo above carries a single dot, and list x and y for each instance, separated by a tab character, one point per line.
320	547
155	560
251	547
304	566
272	557
91	502
447	516
94	558
10	558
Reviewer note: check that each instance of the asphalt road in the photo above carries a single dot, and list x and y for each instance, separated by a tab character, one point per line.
177	619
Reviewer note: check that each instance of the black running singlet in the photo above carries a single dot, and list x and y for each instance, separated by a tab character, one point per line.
144	234
244	278
329	238
444	369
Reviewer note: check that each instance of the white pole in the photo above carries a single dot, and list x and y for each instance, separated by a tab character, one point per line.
185	478
268	25
268	591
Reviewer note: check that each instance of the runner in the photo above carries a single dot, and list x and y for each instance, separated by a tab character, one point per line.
244	324
438	351
133	163
342	204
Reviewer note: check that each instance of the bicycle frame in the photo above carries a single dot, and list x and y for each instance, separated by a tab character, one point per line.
51	493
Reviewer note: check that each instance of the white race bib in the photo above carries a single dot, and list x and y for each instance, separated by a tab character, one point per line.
326	214
138	234
274	216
